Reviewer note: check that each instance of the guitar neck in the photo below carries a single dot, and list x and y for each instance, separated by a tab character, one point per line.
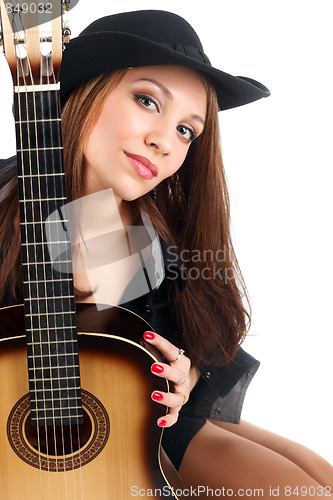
54	378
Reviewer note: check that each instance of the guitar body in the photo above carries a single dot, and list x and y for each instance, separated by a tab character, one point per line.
119	452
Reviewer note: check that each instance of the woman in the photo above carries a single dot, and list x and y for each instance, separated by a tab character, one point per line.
139	106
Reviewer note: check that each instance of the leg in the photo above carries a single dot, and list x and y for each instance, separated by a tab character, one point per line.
314	465
217	458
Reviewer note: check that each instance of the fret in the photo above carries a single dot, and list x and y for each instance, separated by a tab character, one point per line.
53	355
41	162
48	379
47	348
46	270
54	379
37	149
50	328
38	135
38	234
39	121
39	362
41	188
58	409
55	383
43	199
47	262
53	367
47	281
43	321
60	297
58	418
29	210
37	337
52	313
51	174
50	306
52	373
53	342
49	221
51	400
46	243
48	290
69	392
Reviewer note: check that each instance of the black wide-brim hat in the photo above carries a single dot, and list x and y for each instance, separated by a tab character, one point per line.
145	38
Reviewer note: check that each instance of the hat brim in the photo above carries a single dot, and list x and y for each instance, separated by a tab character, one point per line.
90	55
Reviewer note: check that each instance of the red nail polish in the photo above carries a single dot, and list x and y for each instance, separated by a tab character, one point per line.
149	335
158	396
162	423
157	368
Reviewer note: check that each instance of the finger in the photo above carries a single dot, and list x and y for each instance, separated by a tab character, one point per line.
169	351
171	373
169	399
169	419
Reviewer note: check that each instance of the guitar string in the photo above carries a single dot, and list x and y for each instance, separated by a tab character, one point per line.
33	216
73	337
47	313
35	247
68	293
53	289
58	239
19	65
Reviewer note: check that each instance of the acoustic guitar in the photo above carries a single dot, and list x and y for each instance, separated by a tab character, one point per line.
76	418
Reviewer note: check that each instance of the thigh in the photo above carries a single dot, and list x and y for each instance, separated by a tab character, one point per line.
314	465
217	458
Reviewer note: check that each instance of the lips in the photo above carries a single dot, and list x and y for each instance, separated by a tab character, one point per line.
143	166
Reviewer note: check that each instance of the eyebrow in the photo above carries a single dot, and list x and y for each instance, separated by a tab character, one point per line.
167	92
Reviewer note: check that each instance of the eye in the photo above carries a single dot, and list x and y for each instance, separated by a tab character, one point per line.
187	133
147	102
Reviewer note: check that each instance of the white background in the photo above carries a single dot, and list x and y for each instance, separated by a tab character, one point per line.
278	157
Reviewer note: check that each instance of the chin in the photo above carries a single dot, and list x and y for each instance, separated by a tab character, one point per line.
133	193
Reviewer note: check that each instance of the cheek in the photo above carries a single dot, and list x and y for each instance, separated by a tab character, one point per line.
178	160
121	122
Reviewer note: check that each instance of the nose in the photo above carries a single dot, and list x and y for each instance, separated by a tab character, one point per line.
159	139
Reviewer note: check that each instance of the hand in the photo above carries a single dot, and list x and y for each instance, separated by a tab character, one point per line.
177	372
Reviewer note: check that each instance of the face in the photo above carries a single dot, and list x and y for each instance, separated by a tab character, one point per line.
144	130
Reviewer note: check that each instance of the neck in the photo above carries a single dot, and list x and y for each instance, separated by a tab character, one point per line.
102	212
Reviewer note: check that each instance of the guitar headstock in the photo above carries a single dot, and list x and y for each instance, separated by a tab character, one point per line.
32	37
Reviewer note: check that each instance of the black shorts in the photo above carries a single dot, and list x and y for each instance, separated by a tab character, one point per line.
176	439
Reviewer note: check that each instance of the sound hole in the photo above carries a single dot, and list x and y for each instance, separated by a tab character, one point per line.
59	440
55	451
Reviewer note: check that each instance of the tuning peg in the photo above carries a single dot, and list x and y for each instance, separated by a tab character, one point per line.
65	4
66	31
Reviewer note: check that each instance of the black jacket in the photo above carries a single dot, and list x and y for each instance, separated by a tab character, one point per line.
220	391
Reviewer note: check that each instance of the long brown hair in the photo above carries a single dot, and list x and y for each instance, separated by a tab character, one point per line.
191	212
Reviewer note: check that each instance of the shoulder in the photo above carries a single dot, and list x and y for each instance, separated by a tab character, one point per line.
7	176
7	163
7	169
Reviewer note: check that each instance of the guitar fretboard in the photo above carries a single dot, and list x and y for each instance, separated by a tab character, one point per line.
54	376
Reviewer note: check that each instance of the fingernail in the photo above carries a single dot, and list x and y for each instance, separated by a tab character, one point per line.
157	368
158	396
162	423
149	335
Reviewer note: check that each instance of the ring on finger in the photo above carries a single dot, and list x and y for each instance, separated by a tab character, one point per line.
183	397
180	352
